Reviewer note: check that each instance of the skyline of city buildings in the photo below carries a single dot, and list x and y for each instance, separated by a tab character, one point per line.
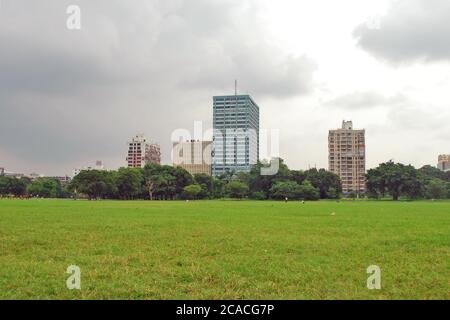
235	147
444	162
193	156
235	134
347	157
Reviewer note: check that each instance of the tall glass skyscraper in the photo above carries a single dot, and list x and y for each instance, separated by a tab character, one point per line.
236	134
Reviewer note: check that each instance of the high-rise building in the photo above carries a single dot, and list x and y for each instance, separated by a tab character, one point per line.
236	134
141	152
444	162
2	171
137	148
347	157
153	154
193	156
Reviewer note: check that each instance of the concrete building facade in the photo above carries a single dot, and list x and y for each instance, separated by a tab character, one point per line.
137	148
153	154
347	157
193	156
236	134
444	162
141	152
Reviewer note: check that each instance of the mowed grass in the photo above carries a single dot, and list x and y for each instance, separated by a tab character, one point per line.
224	249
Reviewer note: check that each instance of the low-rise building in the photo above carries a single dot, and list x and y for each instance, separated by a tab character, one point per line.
193	156
14	175
98	166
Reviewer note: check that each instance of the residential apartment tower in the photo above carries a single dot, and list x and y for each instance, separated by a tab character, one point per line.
347	157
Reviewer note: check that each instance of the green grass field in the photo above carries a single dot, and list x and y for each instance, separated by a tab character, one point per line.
224	249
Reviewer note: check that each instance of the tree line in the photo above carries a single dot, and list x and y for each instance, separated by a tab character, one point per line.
26	187
161	182
397	180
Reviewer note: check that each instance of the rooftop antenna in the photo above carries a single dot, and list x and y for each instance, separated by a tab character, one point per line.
235	87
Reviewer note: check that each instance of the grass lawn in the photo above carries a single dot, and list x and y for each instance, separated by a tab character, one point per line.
224	249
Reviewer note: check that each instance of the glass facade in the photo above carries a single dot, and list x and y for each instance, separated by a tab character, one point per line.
236	134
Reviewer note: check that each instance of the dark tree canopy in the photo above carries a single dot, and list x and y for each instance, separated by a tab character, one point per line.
396	180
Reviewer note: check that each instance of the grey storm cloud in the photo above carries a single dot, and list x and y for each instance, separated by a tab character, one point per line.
135	66
411	30
362	100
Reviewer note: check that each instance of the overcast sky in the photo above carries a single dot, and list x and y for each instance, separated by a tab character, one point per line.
71	97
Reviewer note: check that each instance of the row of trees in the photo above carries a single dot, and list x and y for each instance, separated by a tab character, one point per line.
401	181
167	183
41	187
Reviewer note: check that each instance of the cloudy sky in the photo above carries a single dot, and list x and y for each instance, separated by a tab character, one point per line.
71	97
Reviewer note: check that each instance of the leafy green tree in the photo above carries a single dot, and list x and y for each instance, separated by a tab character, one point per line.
192	191
13	186
18	187
263	183
437	189
218	189
182	179
5	185
258	195
43	187
328	183
308	191
227	176
165	182
429	173
236	189
64	192
414	184
395	179
95	184
298	176
448	190
128	182
206	183
151	174
286	189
